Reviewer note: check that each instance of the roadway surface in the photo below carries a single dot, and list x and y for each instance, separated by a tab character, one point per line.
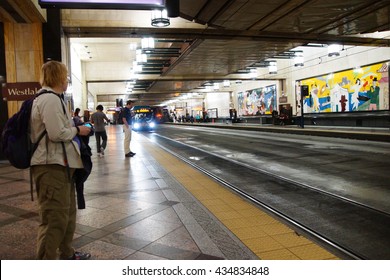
337	189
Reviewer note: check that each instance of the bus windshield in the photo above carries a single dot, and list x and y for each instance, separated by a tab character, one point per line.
142	113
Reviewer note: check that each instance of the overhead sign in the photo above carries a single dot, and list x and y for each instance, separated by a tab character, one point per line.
143	110
19	91
103	4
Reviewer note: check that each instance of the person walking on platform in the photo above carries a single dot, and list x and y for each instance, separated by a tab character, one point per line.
98	119
53	164
127	121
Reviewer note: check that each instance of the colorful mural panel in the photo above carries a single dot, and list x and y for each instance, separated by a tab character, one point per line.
362	89
257	101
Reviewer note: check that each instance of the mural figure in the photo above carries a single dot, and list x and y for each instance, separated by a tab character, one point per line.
373	94
315	100
335	93
241	103
249	109
324	98
355	95
343	102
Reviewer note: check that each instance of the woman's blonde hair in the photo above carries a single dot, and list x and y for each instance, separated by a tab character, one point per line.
53	73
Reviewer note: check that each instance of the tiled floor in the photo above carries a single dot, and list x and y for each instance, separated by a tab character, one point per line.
151	206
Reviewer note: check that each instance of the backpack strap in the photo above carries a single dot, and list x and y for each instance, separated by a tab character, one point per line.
35	146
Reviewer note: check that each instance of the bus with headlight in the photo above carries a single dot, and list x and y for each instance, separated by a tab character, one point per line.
143	118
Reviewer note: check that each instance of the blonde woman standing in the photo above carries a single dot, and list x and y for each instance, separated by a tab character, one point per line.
53	165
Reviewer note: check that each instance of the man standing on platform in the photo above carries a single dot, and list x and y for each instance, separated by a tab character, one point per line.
127	121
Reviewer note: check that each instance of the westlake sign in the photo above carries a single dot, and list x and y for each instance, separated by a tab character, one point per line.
19	91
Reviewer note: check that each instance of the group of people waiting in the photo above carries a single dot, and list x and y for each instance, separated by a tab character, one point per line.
189	118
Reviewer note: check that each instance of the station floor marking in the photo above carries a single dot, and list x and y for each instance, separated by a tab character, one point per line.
265	236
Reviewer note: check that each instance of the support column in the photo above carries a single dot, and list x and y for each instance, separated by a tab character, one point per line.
52	35
23	55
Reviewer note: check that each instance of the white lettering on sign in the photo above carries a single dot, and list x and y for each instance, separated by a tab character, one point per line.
26	91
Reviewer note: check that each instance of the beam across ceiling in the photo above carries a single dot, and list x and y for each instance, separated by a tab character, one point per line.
222	34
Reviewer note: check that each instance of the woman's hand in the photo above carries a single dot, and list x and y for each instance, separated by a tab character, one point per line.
84	130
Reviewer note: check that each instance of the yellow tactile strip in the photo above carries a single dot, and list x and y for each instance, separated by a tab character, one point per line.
265	236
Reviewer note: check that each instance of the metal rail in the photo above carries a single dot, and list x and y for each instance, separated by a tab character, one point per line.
282	178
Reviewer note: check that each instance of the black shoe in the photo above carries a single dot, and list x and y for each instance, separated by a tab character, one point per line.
130	154
80	256
81	206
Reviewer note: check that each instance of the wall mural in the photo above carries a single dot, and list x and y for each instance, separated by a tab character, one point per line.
257	101
362	89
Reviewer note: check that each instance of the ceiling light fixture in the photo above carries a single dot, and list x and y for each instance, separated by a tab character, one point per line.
147	43
209	87
136	67
253	73
133	46
272	67
160	18
140	57
334	50
298	59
